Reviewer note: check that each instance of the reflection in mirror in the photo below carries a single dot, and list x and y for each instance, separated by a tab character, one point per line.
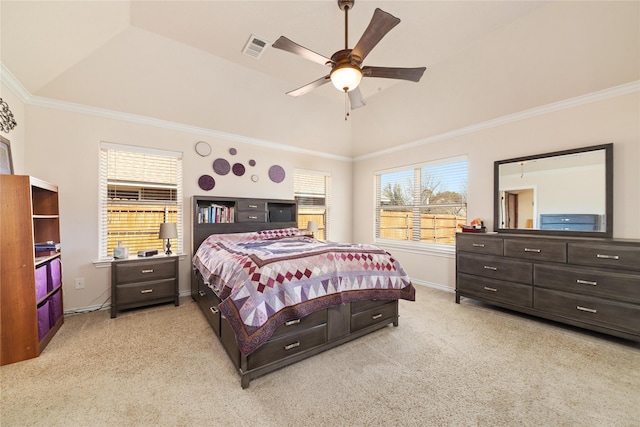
567	192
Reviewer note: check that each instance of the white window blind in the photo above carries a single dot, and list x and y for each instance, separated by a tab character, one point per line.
139	189
313	192
422	203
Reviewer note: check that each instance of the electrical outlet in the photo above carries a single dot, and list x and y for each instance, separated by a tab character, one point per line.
79	282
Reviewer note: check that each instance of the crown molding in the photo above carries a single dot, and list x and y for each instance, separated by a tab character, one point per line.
19	90
621	90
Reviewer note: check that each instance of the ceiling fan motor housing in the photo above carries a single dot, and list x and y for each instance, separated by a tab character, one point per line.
342	4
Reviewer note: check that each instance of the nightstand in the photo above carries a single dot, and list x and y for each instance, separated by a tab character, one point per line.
138	282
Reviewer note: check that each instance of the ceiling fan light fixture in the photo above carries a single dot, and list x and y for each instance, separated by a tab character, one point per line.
346	77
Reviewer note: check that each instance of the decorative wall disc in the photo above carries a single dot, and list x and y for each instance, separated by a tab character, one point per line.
206	182
238	169
203	148
254	178
276	173
221	166
252	162
233	151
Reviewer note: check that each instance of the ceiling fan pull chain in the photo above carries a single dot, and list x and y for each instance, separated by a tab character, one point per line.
346	105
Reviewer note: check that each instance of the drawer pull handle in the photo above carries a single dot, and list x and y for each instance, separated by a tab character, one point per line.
488	267
253	206
147	271
214	310
532	250
292	322
376	316
253	217
586	282
478	245
604	256
486	288
201	293
146	291
588	310
291	346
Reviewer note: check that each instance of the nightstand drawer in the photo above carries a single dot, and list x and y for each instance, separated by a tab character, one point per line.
146	291
137	271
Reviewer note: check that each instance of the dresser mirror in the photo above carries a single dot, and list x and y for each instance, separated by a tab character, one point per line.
567	193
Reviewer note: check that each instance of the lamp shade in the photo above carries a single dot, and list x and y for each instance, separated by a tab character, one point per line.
168	230
312	226
346	77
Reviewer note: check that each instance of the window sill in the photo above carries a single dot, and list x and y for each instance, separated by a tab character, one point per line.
435	249
104	263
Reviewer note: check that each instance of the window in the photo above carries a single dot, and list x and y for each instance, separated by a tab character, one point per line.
312	191
140	188
423	203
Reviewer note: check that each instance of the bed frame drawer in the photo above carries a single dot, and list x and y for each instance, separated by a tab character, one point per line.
208	302
287	345
296	325
384	313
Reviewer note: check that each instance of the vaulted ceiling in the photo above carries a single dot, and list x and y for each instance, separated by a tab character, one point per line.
182	61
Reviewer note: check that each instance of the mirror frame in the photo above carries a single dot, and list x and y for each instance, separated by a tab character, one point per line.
608	232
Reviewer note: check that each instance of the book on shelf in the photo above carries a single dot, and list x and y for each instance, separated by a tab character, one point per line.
215	214
46	248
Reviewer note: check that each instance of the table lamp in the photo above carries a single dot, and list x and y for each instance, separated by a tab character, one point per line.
312	226
168	230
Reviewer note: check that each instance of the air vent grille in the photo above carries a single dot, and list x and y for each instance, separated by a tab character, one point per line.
255	46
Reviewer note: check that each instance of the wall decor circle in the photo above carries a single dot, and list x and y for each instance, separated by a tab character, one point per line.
254	178
233	151
276	173
238	169
221	166
203	148
252	162
206	182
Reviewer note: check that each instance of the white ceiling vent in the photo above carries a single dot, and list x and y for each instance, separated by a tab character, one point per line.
255	46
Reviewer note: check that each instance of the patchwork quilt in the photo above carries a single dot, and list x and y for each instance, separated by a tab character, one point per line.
266	278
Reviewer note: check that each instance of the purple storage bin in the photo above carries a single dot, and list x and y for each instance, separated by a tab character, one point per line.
55	274
41	282
44	322
55	307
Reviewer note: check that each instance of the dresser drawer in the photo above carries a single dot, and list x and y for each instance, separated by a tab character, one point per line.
589	281
495	268
296	325
495	290
614	256
596	311
287	345
479	244
137	271
134	293
534	249
381	314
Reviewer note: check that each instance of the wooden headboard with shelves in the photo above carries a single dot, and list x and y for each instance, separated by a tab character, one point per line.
218	215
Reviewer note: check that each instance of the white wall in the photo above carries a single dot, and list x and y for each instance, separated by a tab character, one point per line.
16	136
614	120
63	148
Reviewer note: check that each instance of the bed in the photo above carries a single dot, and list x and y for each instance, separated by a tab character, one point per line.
275	295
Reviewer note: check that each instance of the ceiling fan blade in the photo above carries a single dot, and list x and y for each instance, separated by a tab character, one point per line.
355	98
412	74
293	47
381	23
309	87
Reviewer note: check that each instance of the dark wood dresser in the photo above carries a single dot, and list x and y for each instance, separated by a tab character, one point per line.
587	282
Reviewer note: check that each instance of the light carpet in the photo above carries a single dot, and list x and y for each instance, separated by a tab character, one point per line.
445	365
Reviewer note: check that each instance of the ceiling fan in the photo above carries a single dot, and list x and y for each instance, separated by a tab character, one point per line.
346	64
